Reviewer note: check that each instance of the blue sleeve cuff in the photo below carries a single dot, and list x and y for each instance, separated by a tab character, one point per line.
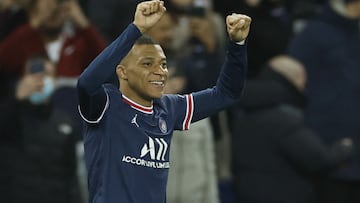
135	28
237	48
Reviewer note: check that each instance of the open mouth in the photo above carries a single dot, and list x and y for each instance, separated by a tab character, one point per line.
158	83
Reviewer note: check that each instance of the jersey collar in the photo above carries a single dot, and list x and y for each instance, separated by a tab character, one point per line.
136	106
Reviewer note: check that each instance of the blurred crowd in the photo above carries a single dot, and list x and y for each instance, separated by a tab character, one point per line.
293	138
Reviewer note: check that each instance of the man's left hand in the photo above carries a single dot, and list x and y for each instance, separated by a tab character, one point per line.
238	26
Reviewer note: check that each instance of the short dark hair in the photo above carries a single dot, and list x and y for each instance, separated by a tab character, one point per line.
145	39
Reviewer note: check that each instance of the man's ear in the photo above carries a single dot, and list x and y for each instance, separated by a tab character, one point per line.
121	72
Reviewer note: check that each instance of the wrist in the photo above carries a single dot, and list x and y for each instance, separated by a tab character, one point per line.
141	29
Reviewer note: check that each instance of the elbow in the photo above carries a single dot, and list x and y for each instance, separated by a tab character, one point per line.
80	83
230	98
233	95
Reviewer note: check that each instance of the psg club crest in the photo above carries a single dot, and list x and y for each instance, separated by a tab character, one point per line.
162	125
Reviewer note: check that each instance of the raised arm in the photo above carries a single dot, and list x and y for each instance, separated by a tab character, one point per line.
92	98
232	77
233	74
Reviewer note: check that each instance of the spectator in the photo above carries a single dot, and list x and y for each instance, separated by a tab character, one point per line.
111	16
71	51
268	15
275	155
192	174
39	139
62	32
329	47
163	33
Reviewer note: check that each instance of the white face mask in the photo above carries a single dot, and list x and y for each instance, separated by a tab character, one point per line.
43	95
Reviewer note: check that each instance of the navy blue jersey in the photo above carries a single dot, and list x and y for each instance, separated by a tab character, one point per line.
126	144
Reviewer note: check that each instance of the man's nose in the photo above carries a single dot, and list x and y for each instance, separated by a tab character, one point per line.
160	70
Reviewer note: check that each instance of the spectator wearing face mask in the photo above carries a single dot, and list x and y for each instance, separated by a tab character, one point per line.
38	141
61	31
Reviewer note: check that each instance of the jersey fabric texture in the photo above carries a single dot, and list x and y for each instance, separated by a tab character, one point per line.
126	144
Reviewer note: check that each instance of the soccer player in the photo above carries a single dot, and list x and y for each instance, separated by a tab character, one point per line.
128	129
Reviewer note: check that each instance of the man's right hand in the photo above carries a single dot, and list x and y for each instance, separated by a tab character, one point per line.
148	13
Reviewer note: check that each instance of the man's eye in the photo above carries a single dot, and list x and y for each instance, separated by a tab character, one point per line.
164	66
147	64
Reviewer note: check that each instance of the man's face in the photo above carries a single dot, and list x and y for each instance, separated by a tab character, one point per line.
45	9
144	73
52	16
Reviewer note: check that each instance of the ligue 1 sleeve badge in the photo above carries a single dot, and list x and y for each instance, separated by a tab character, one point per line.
162	125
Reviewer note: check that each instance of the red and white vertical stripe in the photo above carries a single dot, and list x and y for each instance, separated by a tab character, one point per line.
189	111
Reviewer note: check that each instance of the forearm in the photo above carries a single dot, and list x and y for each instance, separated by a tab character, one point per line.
229	85
232	77
104	65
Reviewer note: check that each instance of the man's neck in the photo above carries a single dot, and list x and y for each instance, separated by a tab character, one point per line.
137	100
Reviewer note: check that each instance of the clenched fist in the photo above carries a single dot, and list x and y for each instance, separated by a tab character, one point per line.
238	26
148	13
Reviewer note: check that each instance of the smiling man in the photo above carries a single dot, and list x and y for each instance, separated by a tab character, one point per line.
143	72
128	129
